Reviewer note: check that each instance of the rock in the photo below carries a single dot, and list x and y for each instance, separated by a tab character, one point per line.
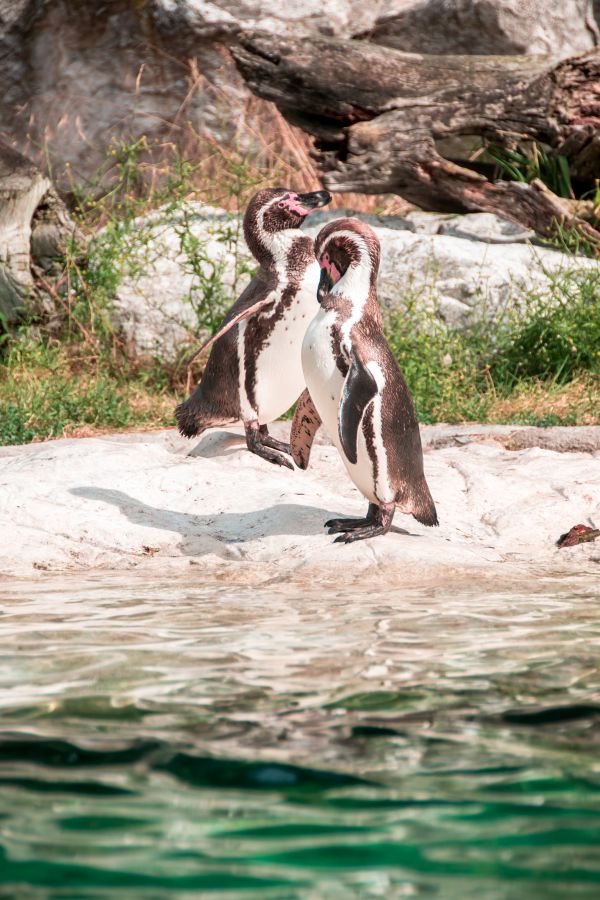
558	438
463	281
159	504
227	17
163	304
485	227
71	82
496	27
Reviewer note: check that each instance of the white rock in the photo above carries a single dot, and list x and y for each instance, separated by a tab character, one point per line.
464	281
468	281
156	300
158	503
485	227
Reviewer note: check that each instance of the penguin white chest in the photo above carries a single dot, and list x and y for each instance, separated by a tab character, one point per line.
321	373
325	383
279	375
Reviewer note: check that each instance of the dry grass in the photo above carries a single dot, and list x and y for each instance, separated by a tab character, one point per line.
577	402
265	151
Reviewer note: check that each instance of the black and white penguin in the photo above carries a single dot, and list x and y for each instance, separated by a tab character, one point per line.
355	386
254	372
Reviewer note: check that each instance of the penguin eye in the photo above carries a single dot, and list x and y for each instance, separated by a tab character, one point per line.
281	204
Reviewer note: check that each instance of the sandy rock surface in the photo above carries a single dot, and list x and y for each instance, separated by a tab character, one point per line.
154	502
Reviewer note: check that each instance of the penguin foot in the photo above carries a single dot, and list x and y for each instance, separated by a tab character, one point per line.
335	525
268	441
378	521
272	456
256	441
360	534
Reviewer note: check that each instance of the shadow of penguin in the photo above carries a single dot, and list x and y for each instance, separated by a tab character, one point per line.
216	532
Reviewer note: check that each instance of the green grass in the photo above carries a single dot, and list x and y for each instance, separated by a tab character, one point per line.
47	391
540	369
540	366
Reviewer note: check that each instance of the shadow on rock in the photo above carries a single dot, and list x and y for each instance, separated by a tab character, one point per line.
202	534
214	444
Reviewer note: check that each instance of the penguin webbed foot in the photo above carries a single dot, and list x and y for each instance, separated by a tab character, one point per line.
377	521
272	456
337	525
360	534
262	444
268	441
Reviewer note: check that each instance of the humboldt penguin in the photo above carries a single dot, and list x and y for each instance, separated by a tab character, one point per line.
254	371
355	386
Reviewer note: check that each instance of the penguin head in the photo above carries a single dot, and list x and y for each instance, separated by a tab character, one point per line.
346	248
277	209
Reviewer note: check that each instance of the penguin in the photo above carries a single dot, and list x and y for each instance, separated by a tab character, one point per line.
355	387
254	371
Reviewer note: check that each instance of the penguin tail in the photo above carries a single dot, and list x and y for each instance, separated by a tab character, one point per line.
190	419
194	417
420	504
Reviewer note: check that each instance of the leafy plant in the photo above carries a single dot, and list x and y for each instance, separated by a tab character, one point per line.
530	161
539	365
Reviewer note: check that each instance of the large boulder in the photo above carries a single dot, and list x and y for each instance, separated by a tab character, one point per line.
485	27
73	82
74	76
174	262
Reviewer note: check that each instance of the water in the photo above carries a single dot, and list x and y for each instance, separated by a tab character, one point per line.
178	740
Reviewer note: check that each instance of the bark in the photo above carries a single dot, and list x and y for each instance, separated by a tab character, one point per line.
34	229
383	120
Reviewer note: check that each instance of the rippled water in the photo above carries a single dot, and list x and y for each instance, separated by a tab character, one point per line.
175	740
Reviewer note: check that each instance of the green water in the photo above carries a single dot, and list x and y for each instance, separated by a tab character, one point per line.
174	740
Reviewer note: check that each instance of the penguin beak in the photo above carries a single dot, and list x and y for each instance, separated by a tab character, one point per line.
326	282
314	200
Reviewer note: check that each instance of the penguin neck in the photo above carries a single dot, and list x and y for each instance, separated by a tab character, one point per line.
356	283
355	297
271	248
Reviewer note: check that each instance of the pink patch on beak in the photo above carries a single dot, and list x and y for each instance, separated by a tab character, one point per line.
330	267
293	205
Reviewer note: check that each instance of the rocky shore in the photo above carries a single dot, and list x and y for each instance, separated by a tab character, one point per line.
156	503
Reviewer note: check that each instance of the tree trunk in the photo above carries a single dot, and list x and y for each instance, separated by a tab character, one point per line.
385	121
34	230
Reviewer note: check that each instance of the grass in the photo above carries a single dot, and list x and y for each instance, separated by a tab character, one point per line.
540	366
541	369
47	390
79	377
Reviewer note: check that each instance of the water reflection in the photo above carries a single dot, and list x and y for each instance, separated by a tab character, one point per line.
173	738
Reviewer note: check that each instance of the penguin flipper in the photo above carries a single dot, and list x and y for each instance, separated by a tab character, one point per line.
232	320
305	425
359	389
